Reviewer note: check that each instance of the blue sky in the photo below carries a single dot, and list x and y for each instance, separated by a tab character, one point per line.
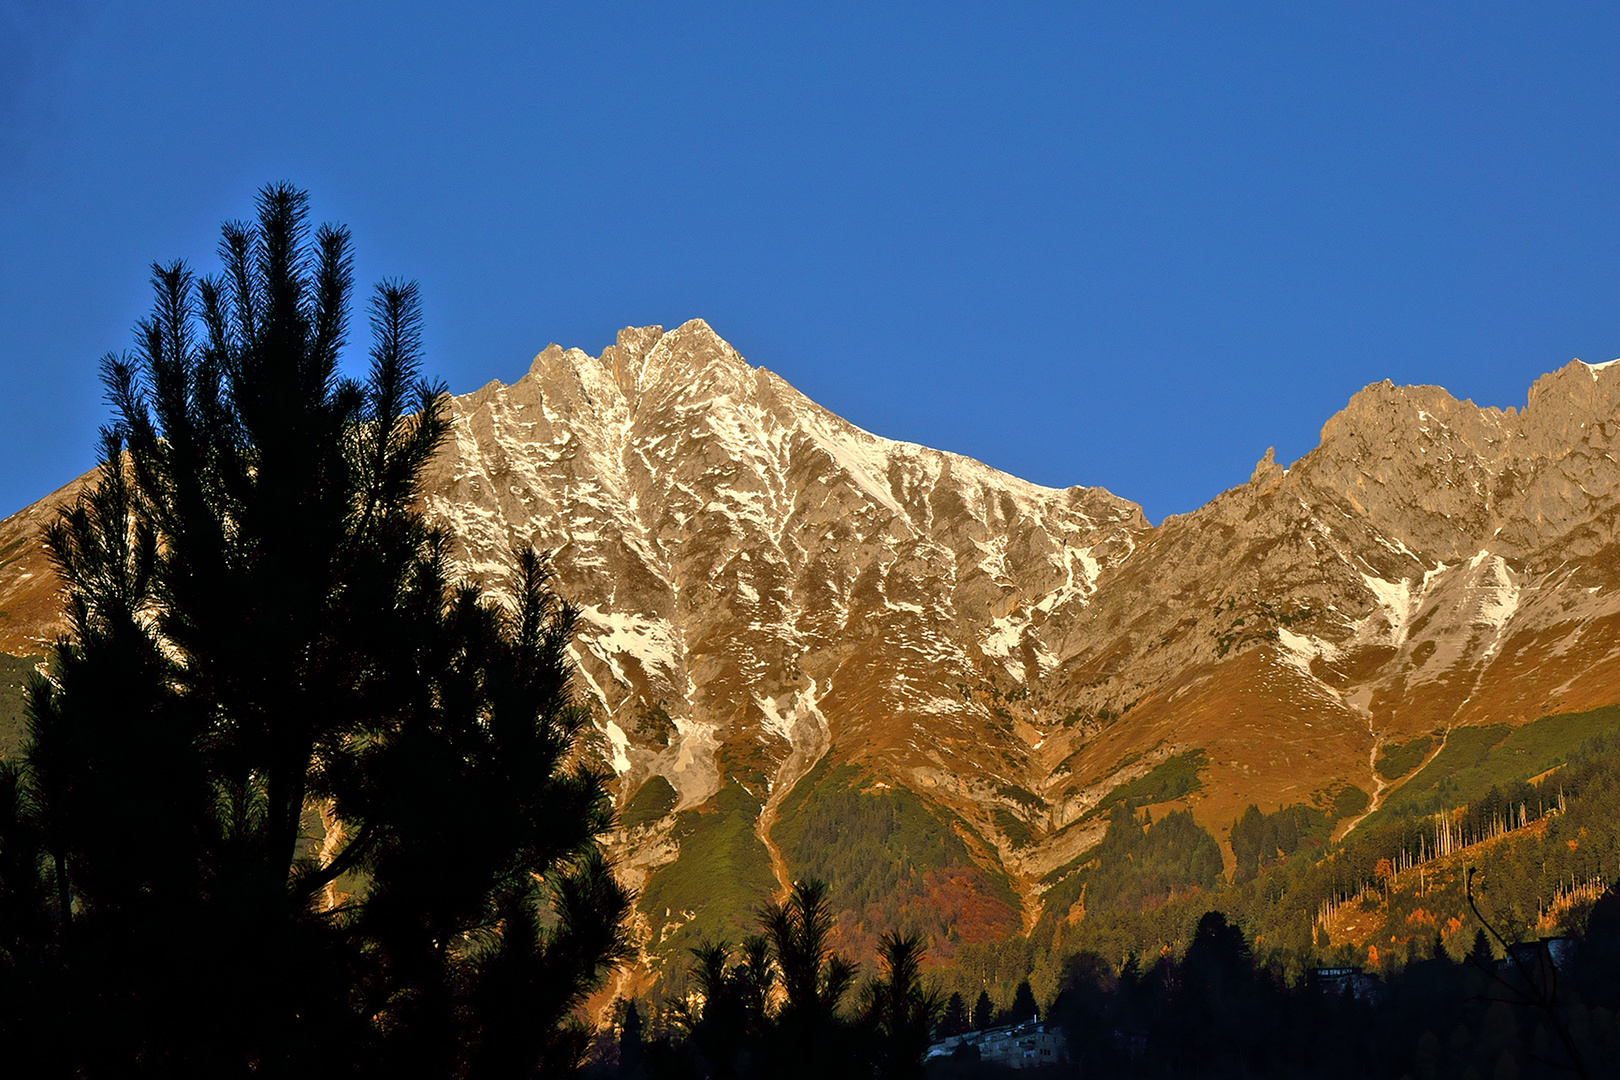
1130	244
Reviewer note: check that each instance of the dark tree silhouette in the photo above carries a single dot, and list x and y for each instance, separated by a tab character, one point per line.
1537	982
738	1025
810	1039
1217	992
1085	1007
1224	1009
730	1013
954	1020
27	944
899	1010
303	806
1023	1007
630	1043
984	1011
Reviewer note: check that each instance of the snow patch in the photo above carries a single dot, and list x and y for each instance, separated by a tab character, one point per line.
1091	566
775	720
1072	588
1003	635
1398	602
1299	649
935	705
621	748
1593	369
1045	659
649	641
864	464
1395	598
1498	594
1397	545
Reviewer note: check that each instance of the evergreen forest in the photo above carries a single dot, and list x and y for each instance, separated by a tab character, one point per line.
1414	946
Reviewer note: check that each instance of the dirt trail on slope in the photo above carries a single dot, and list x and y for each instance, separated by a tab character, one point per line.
779	869
810	739
1379	786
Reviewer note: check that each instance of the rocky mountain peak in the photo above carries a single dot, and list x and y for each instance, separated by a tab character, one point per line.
647	368
1573	409
1267	473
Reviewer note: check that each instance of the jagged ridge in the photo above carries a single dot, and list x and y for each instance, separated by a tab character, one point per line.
765	587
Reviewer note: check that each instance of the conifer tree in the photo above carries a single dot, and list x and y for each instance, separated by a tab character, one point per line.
728	1016
809	1038
1024	1008
954	1021
984	1011
301	805
899	1010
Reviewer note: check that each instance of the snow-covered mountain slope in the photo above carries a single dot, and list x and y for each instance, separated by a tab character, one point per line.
761	581
1430	564
784	616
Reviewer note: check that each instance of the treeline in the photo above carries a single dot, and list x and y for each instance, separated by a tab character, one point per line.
1408	869
1554	845
1209	999
892	863
1263	840
1218	1011
782	1004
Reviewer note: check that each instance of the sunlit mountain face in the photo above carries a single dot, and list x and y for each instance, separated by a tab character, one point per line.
809	650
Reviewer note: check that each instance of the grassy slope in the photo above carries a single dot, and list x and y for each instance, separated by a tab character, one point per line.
652	801
1395	762
714	890
892	861
1519	873
1171	779
1475	759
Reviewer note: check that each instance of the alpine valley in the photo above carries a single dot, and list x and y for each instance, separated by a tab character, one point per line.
812	651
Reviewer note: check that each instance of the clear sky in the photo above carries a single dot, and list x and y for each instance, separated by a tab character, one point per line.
1124	244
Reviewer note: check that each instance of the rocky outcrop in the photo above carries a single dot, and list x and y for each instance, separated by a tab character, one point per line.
1429	564
30	597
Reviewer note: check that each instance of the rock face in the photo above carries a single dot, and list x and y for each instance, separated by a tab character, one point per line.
763	584
30	603
780	611
1430	564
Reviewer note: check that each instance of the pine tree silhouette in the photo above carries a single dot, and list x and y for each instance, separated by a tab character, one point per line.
303	805
809	1037
1023	1008
984	1011
728	1018
899	1010
954	1021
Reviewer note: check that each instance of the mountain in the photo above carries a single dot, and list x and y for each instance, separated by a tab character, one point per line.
814	650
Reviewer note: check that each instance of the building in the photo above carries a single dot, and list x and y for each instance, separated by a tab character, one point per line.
1542	962
1557	953
1016	1046
1336	982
